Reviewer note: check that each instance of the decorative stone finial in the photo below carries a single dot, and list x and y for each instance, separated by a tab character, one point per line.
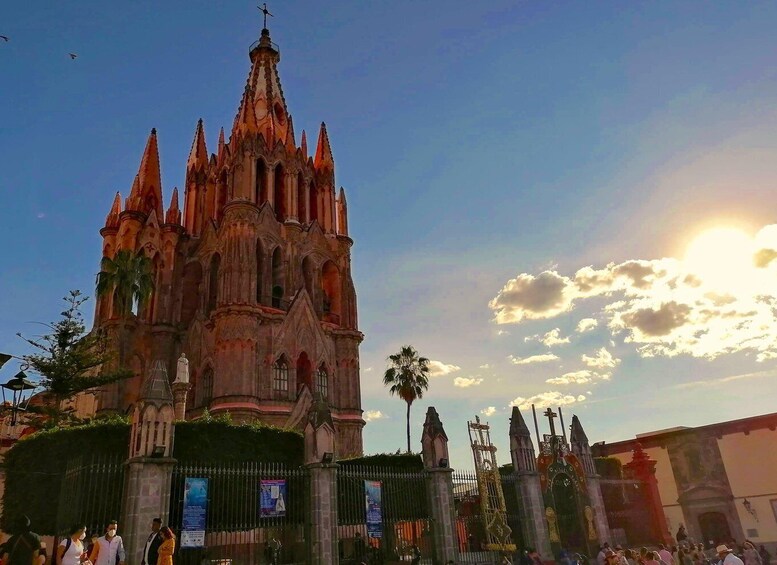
434	441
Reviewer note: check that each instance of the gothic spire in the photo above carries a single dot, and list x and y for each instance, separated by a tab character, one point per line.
291	145
112	220
220	156
245	121
518	425
303	145
323	159
173	215
577	435
146	197
198	156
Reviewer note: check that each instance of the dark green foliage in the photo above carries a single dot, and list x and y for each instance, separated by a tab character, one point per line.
69	360
35	466
608	467
217	440
398	461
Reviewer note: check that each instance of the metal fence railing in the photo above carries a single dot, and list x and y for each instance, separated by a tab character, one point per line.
470	528
91	493
255	512
383	515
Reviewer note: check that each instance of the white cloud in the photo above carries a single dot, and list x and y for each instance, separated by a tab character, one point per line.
487	412
542	358
548	339
372	415
368	370
586	324
486	366
439	369
704	305
466	382
578	377
603	359
502	332
545	399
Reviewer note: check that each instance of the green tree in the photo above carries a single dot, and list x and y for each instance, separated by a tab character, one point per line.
407	377
69	359
129	278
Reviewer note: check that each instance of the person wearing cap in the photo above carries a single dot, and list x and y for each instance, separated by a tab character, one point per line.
151	549
727	556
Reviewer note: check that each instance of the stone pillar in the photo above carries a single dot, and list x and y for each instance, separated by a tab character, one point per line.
582	449
534	526
439	481
642	468
150	464
319	461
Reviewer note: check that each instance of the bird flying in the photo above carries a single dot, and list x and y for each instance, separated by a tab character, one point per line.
4	38
72	55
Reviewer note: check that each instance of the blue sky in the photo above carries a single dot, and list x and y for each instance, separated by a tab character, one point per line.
479	143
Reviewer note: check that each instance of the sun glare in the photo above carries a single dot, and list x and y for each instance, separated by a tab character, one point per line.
722	258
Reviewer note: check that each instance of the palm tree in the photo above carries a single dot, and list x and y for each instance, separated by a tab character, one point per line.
408	378
129	278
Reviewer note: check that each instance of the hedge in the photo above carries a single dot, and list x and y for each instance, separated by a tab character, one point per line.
34	466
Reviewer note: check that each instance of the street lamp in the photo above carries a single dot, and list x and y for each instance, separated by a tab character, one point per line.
17	386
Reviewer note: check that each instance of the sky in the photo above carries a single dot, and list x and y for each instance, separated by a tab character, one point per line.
560	203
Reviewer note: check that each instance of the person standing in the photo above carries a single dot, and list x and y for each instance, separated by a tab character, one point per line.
766	557
167	548
751	555
151	549
109	548
24	546
665	556
727	556
71	549
682	535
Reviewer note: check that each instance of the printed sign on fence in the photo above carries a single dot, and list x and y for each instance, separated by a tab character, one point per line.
195	512
372	496
272	498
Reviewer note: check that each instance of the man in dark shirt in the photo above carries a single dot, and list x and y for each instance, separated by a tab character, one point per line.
24	546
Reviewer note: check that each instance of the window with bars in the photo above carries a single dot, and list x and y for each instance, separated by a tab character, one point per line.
280	381
322	381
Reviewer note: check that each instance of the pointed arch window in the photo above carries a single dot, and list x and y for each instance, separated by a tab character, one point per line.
302	205
277	278
261	193
207	387
280	381
322	381
279	193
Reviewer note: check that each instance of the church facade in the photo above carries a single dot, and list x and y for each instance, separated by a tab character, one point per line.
252	277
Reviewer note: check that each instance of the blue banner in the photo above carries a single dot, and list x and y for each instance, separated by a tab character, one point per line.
195	512
272	498
372	496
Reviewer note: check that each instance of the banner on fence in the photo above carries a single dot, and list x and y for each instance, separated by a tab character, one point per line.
195	511
372	496
272	498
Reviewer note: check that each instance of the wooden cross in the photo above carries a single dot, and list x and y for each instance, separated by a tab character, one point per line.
549	414
266	13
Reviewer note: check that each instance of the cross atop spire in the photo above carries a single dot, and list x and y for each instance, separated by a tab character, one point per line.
550	414
266	13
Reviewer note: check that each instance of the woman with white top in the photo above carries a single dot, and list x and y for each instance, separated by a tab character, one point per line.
71	549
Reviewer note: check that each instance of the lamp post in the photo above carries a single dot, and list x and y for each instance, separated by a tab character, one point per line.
16	388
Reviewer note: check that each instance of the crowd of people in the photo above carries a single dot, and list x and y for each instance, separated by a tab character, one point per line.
26	548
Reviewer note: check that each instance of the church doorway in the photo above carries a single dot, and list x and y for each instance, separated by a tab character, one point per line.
304	372
714	527
568	513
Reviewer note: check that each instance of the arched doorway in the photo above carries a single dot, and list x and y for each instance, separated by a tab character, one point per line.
304	372
714	526
568	515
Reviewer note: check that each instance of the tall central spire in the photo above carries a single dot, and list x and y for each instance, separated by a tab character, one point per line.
263	103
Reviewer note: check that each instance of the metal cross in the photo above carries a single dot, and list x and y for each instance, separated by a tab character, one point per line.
266	13
549	414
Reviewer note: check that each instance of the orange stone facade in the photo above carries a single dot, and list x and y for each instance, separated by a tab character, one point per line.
253	277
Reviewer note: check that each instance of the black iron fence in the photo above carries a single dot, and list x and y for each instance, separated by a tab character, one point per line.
383	515
470	529
92	493
255	513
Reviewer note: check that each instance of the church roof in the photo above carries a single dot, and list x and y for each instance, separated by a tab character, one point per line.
157	387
